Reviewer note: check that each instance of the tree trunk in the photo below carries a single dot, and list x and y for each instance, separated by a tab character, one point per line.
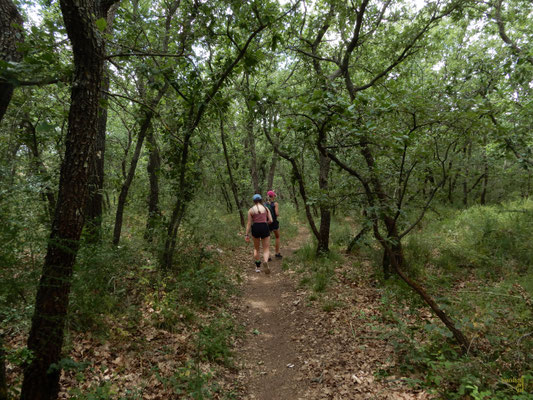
301	185
528	190
293	194
249	142
397	261
250	148
483	198
167	258
356	238
467	151
39	168
272	171
229	206
274	162
41	376
153	168
181	204
230	173
145	126
143	130
94	208
325	212
11	35
95	202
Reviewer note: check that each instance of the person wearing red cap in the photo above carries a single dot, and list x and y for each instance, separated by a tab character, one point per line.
273	206
258	219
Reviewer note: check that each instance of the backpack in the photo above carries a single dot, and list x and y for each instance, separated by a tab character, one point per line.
272	209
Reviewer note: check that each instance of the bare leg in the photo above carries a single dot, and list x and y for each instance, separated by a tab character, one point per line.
256	249
276	233
266	249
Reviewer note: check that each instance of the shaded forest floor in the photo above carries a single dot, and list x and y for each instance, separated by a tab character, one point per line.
274	339
297	346
315	328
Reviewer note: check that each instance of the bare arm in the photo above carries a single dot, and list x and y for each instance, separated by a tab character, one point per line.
276	209
249	224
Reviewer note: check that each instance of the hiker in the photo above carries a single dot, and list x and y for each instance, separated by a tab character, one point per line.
273	207
258	219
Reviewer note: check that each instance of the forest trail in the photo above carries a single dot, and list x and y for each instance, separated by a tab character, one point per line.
292	349
272	316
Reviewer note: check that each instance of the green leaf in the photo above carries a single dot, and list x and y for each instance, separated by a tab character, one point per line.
44	127
101	24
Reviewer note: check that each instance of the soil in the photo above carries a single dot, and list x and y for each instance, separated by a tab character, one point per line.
296	343
297	347
271	315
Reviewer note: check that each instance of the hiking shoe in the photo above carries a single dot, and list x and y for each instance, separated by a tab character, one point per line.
269	258
265	266
257	269
278	256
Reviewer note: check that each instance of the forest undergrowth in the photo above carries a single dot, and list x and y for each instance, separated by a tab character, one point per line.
138	332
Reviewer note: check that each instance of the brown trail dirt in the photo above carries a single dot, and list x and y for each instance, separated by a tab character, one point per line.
293	349
271	316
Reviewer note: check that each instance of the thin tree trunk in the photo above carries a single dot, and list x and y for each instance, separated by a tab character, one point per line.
250	148
250	143
467	151
39	168
222	186
325	212
450	185
272	171
234	189
528	183
356	238
153	169
144	128
483	198
274	162
293	194
41	376
11	35
181	204
458	335
229	206
298	178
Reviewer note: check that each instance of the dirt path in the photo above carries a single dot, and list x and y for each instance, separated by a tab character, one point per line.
295	348
271	313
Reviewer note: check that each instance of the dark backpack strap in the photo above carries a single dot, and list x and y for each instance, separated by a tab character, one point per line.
272	209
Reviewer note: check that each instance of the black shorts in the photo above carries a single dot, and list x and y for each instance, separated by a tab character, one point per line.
274	226
260	230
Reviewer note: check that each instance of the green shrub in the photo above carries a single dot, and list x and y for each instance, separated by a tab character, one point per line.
100	283
477	264
190	381
319	271
213	341
493	240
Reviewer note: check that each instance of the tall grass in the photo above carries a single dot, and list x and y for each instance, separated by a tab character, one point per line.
478	263
492	241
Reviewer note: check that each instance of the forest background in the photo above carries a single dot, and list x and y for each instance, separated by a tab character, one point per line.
134	133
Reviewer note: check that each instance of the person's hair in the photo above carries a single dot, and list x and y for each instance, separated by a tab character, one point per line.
256	202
